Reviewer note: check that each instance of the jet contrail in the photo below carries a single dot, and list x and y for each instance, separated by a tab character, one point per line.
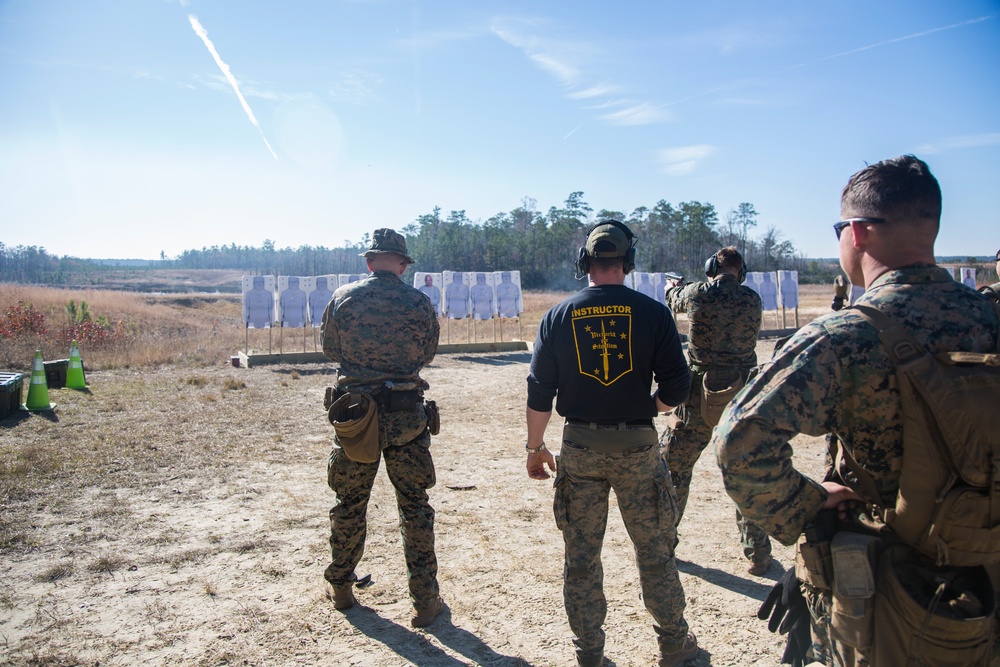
876	45
572	131
902	39
200	31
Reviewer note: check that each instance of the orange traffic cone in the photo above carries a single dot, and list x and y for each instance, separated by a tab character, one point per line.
38	390
74	372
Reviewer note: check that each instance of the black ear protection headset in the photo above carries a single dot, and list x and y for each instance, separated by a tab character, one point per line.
628	260
712	267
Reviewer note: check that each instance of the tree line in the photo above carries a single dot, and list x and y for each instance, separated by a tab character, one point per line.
33	265
544	247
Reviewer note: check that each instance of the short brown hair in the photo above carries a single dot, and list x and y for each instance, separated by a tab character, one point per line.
898	189
729	257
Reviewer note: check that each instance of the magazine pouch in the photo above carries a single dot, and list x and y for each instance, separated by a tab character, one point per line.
855	559
814	564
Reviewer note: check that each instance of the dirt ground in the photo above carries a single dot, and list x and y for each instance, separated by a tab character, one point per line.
181	518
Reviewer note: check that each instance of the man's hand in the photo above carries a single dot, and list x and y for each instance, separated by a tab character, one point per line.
537	463
840	287
841	498
839	293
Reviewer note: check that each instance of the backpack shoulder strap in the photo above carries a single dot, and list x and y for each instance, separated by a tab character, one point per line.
842	457
898	343
901	347
903	350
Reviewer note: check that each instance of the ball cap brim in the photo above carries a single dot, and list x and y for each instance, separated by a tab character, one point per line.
387	240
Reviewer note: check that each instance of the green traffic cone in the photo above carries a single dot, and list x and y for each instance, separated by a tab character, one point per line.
74	372
38	390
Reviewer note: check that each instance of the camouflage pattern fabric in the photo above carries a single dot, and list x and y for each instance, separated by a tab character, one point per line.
825	649
681	447
381	329
833	376
725	319
645	498
411	471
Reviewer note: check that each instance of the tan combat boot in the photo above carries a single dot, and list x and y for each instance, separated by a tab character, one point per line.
759	568
342	596
425	617
679	656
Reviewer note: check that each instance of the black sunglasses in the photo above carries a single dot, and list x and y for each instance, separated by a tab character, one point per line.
838	227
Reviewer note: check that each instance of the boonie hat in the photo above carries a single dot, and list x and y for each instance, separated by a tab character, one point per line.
607	240
388	240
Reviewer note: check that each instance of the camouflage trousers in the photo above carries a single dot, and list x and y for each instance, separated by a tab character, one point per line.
645	498
411	472
825	649
681	447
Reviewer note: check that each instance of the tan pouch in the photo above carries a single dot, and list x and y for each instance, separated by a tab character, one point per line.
814	564
908	632
718	387
855	560
355	421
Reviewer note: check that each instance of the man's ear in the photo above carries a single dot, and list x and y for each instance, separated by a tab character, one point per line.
860	235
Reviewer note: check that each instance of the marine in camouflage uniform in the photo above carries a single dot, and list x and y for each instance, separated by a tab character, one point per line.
833	375
383	332
598	354
993	291
725	318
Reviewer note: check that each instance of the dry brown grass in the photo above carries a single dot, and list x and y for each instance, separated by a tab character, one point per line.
198	330
185	330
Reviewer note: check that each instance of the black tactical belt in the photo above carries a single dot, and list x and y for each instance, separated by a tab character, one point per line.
610	425
400	401
387	399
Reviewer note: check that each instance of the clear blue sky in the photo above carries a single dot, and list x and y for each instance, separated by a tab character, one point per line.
123	135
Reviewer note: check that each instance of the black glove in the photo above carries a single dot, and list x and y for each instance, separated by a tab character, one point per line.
786	612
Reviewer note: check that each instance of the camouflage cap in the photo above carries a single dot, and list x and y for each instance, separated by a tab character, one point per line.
388	240
608	240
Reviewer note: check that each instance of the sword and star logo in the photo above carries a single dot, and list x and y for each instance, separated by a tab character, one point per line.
603	337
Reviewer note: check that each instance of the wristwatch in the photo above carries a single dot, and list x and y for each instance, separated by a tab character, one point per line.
535	450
